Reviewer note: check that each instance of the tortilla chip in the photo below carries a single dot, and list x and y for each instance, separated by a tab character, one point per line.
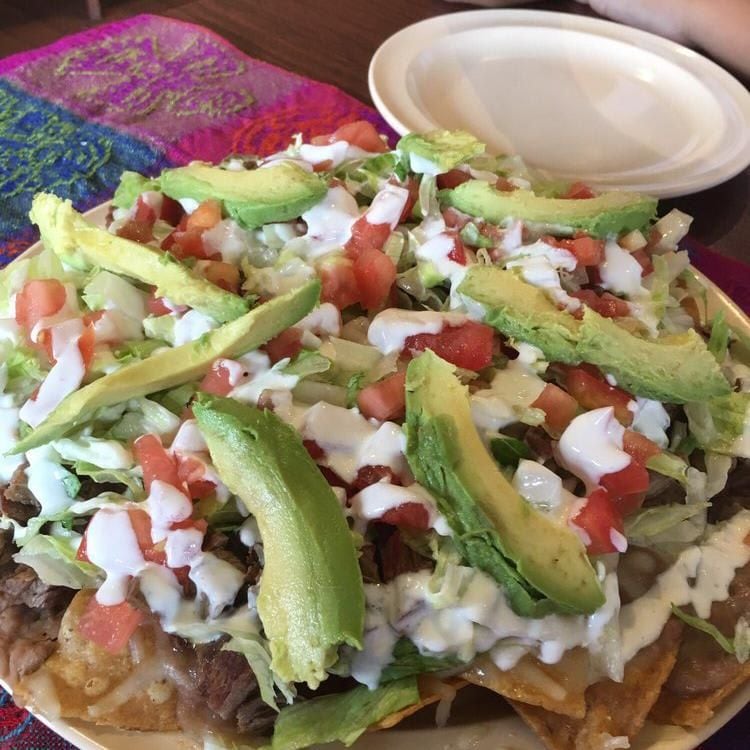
614	709
431	690
695	711
81	677
557	687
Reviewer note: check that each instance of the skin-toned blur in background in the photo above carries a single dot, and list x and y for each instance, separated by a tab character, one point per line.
720	27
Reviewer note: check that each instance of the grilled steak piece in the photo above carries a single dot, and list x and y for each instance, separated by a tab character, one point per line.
702	665
17	501
224	678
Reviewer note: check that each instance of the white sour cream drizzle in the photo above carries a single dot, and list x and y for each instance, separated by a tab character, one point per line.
377	499
650	418
591	446
387	206
337	152
64	377
329	223
191	326
390	329
350	441
620	272
544	490
45	477
9	422
512	389
475	617
700	576
324	319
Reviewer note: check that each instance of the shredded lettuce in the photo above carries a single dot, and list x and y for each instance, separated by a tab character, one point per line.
739	646
340	716
669	465
53	558
508	451
175	399
108	291
160	327
259	658
308	363
720	424
144	416
718	343
106	454
427	202
131	351
470	235
353	386
23	370
647	523
129	478
407	661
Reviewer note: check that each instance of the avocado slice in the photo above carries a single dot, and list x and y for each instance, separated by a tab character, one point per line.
439	150
175	366
608	213
311	596
70	236
675	369
494	528
252	197
130	187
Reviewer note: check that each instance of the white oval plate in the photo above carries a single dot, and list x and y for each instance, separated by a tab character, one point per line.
580	97
487	724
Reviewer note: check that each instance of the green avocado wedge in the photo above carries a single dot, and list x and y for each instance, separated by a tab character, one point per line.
175	366
341	717
605	214
71	237
252	197
311	596
675	369
542	566
441	150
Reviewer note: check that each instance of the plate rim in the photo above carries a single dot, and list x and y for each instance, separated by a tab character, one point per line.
90	736
391	61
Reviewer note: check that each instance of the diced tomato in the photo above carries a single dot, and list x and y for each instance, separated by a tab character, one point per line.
366	235
413	187
137	231
559	407
144	214
458	253
109	627
452	179
192	473
367	475
632	479
469	345
504	185
141	523
188	244
171	210
628	504
597	518
86	344
385	399
207	215
217	380
157	306
639	447
413	516
156	462
588	251
339	283
455	219
645	261
39	298
287	344
191	523
375	274
360	133
579	190
607	305
82	552
315	451
224	275
593	392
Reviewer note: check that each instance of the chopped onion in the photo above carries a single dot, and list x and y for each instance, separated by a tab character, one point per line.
672	228
633	241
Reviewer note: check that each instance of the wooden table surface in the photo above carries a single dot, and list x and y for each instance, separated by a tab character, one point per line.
333	41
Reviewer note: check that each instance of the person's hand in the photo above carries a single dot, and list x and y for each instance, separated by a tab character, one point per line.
666	17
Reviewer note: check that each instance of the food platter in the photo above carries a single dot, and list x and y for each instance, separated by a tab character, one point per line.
480	721
587	99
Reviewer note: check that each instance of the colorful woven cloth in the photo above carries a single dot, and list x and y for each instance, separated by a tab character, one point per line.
148	93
